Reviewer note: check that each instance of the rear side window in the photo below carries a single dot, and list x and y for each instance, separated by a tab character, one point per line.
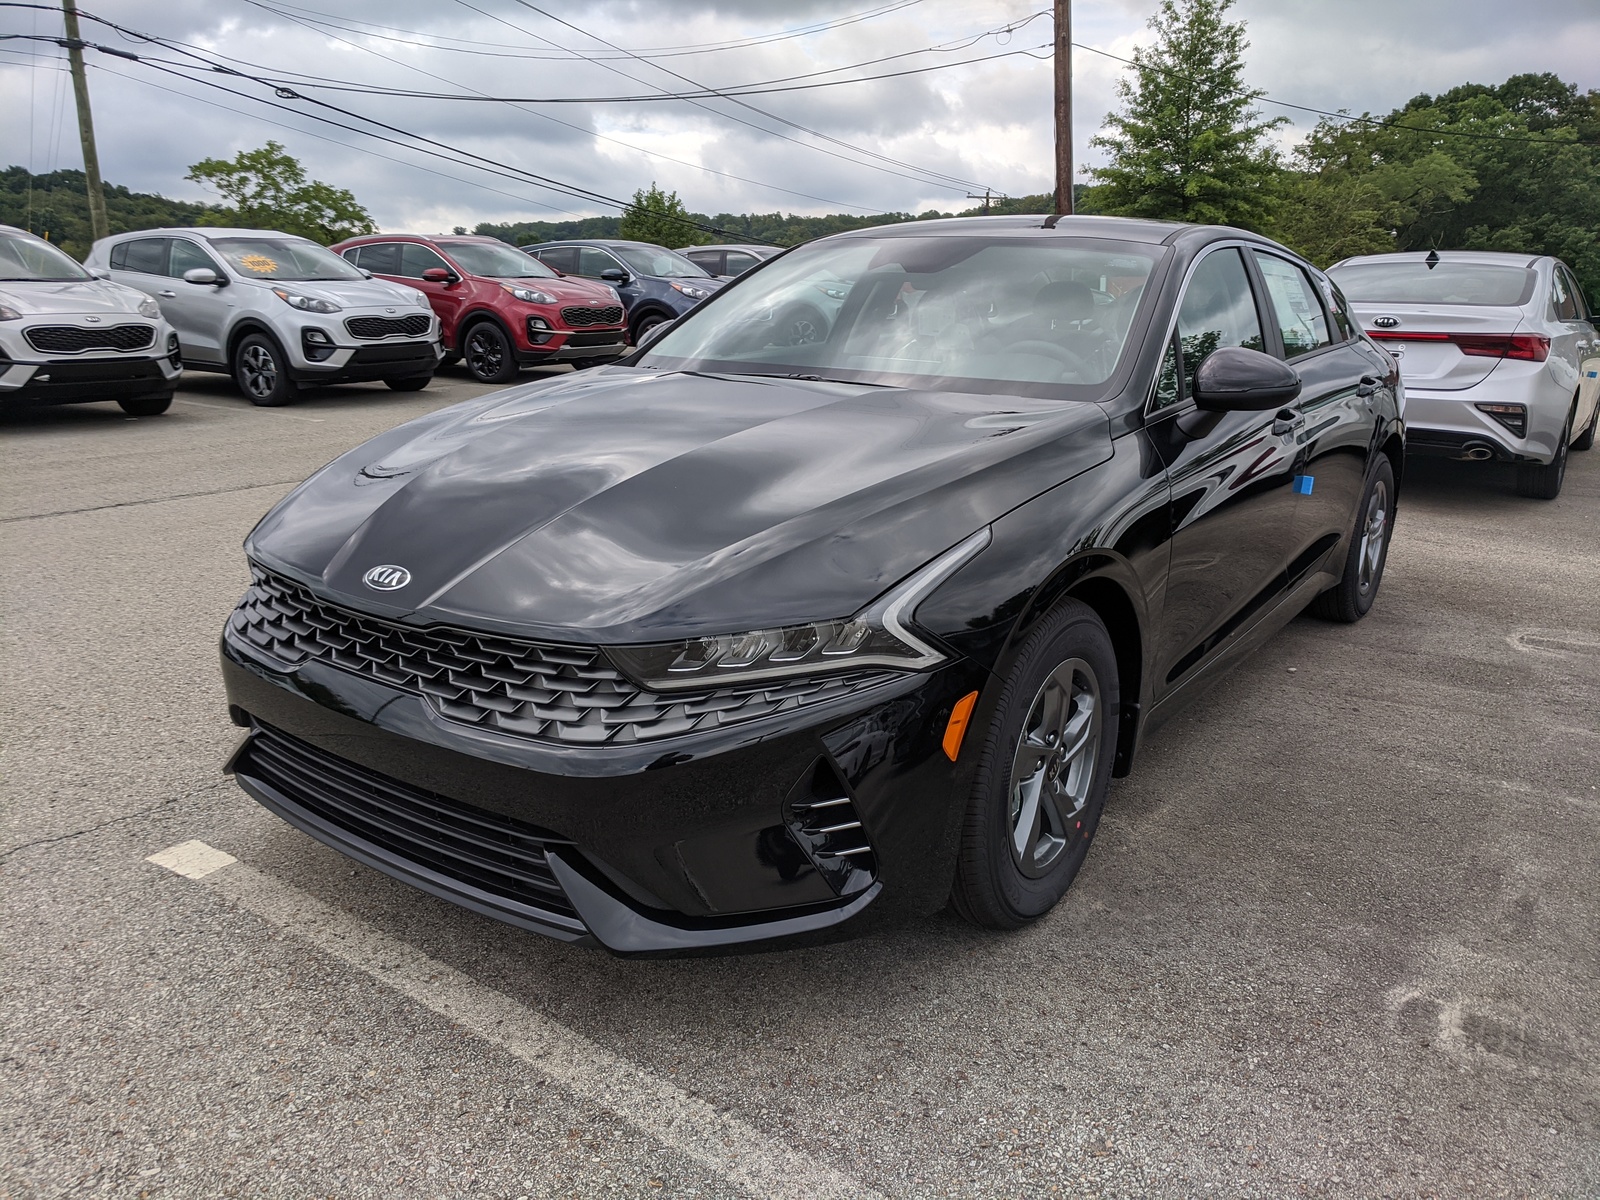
1294	305
1585	313
381	258
1219	309
708	260
1565	299
738	262
562	258
148	256
415	259
186	256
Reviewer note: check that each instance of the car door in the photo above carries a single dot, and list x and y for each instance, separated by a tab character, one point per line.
737	262
592	262
1335	412
1572	310
199	312
446	298
1231	475
142	263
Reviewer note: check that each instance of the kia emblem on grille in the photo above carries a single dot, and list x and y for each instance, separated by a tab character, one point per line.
92	320
387	578
1386	322
388	310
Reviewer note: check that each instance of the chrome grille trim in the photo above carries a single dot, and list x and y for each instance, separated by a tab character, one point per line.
581	317
76	339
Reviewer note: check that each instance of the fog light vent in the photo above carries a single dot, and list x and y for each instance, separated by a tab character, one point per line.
823	818
1513	416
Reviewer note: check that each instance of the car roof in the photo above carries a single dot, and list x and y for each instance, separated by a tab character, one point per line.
209	232
603	243
1498	257
432	239
759	249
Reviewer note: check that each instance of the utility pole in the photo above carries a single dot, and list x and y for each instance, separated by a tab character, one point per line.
987	197
1063	107
98	224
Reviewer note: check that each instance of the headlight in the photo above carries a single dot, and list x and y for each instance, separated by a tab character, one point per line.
831	292
529	295
149	308
305	303
877	636
692	291
7	313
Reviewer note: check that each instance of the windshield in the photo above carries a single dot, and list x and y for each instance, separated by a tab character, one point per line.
1027	316
29	258
1413	282
292	259
658	260
496	261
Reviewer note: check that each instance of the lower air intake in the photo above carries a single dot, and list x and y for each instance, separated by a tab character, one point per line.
823	818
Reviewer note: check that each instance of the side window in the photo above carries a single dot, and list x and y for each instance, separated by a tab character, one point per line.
415	259
148	256
381	258
739	262
186	256
591	262
1219	309
709	261
1585	313
119	257
1295	305
562	258
1344	326
1565	301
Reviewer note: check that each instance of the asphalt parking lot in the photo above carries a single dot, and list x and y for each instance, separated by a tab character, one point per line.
1339	935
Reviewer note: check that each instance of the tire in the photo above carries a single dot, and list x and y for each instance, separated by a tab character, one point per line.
1352	597
1063	691
645	324
487	352
411	383
259	371
146	406
801	325
1585	440
1542	481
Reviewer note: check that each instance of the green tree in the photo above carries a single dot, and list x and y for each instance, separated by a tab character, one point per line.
660	217
56	206
268	189
1189	143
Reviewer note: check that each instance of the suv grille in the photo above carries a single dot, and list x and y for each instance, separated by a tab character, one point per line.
70	339
372	328
582	318
570	695
492	853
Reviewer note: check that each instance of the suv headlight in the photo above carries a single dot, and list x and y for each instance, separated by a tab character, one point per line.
878	636
529	295
149	308
7	313
693	291
305	303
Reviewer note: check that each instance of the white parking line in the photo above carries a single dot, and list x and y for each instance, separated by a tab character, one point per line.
720	1142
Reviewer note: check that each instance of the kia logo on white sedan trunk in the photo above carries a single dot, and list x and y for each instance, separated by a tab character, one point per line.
1386	322
387	578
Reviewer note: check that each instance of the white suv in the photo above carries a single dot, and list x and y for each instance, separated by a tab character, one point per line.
277	312
67	337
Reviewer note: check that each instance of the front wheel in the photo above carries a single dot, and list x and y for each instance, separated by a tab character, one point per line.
1351	598
1542	481
146	406
645	324
488	354
1043	775
259	370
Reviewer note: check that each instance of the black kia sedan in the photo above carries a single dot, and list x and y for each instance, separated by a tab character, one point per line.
742	639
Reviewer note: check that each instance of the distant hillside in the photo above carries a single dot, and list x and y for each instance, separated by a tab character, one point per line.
59	208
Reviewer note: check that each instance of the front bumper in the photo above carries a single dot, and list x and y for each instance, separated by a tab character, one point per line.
691	844
86	380
322	349
544	343
1450	424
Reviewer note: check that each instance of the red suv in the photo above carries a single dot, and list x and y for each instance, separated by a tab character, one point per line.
499	309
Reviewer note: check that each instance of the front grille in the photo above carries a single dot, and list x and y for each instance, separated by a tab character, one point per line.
582	318
613	338
569	695
498	855
71	339
372	328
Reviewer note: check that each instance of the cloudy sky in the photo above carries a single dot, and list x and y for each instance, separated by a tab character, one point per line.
909	143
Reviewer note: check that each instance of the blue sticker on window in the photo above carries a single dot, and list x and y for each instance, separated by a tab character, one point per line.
1302	484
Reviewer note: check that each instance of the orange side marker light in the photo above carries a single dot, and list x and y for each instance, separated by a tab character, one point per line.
956	730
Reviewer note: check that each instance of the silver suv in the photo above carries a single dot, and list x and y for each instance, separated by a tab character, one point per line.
69	338
277	312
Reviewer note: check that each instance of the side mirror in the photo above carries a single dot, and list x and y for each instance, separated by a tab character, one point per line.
615	275
203	276
1234	379
365	274
653	334
440	275
98	272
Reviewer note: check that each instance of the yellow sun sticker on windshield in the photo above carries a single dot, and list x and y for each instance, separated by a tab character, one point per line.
259	263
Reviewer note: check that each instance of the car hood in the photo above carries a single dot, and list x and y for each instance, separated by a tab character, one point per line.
71	298
567	289
352	293
628	506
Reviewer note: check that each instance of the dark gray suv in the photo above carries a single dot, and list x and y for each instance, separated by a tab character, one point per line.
656	284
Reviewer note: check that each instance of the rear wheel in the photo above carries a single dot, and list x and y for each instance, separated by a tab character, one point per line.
1043	775
1351	598
488	355
1542	481
146	406
411	383
259	368
1585	440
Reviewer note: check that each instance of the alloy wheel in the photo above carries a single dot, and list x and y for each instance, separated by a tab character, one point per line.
484	356
258	371
1374	532
1053	769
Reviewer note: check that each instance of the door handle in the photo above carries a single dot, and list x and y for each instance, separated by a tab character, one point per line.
1286	422
1369	385
166	295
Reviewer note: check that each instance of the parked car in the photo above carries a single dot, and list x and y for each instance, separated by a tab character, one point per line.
277	312
1499	353
499	309
656	284
751	640
724	262
68	337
